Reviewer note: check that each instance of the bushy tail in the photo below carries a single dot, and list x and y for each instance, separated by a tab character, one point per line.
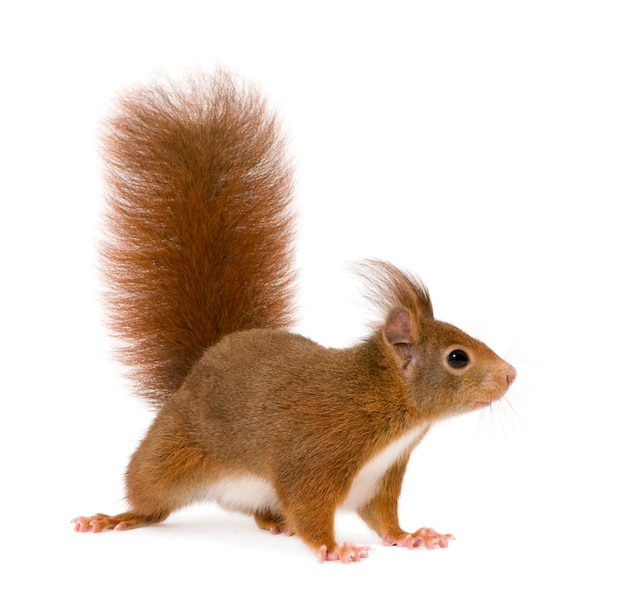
198	225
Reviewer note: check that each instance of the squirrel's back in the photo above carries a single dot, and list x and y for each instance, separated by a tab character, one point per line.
198	223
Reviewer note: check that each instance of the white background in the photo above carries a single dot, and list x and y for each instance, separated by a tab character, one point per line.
481	144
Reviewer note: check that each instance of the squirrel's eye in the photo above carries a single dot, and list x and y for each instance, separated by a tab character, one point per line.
458	359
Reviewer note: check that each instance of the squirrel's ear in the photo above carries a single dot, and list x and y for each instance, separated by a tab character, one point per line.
400	334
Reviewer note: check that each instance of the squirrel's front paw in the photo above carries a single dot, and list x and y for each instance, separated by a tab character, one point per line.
425	536
344	552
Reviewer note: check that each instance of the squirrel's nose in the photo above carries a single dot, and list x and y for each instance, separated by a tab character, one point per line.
511	375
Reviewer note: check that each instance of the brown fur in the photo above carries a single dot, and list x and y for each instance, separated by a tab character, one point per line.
262	420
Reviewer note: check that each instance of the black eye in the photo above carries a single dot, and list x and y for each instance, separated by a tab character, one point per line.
458	359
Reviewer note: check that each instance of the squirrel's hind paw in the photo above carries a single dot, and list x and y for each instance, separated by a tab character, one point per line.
95	524
100	522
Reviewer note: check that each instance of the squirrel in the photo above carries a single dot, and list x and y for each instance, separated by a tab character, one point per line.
198	264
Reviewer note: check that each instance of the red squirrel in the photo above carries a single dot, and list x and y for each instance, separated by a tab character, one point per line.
198	263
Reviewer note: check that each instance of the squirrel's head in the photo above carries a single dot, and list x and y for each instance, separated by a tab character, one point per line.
447	371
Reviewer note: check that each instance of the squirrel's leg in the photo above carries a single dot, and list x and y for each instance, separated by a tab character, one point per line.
312	519
164	474
316	528
381	514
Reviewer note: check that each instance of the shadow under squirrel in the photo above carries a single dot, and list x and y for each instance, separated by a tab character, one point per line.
197	261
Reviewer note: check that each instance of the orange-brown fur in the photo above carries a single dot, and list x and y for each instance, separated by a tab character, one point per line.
199	227
262	420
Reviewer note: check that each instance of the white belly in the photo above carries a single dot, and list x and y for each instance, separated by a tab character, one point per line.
244	493
366	481
247	493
